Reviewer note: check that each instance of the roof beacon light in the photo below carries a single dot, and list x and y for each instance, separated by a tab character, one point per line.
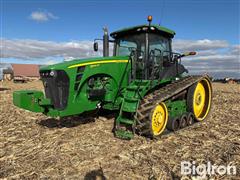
188	54
192	53
149	20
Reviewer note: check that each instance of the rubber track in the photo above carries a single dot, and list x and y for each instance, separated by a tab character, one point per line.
147	104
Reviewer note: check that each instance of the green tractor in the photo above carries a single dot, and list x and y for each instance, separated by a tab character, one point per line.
144	80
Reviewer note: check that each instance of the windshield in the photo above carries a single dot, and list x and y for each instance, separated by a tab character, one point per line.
126	44
159	44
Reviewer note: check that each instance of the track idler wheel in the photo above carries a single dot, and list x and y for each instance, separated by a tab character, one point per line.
199	97
183	121
173	124
190	119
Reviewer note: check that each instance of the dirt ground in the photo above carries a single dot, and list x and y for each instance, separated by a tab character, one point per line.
33	146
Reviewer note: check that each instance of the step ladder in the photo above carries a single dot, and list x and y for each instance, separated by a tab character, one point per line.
125	122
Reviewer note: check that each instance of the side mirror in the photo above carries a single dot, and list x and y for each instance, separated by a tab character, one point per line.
95	46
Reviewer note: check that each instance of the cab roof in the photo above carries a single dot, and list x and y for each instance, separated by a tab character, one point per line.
142	28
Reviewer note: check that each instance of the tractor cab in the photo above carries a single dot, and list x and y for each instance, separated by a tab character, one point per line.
149	48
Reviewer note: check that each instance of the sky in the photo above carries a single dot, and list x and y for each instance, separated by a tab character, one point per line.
47	32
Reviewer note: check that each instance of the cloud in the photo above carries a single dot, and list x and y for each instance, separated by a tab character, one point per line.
50	62
220	64
236	50
196	45
41	16
216	57
34	49
4	65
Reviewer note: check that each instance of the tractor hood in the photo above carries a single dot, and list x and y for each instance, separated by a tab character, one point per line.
64	86
77	62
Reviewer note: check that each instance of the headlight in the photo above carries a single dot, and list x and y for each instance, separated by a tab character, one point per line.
52	73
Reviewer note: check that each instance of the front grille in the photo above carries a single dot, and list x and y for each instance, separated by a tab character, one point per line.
56	85
79	75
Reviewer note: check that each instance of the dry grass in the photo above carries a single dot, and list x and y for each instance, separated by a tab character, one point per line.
33	146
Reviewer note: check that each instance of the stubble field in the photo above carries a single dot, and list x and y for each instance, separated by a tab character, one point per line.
33	146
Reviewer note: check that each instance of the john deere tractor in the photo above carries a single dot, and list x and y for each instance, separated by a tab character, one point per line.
144	80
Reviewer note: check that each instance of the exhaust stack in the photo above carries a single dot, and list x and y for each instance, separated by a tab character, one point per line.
105	42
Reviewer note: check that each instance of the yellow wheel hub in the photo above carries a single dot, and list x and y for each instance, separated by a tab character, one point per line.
202	99
159	119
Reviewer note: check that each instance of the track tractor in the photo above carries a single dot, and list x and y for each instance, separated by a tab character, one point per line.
143	80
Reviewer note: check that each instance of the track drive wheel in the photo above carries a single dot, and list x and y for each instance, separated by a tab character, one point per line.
156	123
199	97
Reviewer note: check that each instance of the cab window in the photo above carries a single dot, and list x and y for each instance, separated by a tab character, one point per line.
127	43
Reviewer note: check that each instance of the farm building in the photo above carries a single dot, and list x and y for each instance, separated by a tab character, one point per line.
7	74
24	72
3	67
230	80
